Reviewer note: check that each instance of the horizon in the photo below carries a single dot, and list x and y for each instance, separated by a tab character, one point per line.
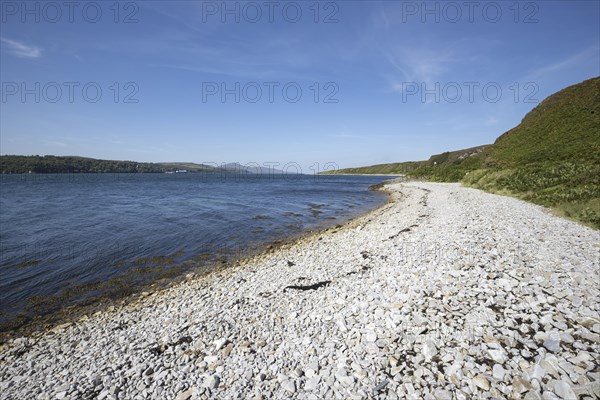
380	82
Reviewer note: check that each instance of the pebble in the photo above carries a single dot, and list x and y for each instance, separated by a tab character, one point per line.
289	386
185	395
212	382
380	386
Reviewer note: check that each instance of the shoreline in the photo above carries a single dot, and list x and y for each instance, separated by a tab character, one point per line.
441	292
39	324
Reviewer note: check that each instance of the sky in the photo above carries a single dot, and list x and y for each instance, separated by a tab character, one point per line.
314	84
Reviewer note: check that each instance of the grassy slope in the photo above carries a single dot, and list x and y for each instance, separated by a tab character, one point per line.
451	166
551	158
563	127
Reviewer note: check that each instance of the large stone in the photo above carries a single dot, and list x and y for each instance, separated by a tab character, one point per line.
564	390
227	350
537	372
220	343
370	337
498	355
289	386
498	372
481	382
520	385
552	342
429	350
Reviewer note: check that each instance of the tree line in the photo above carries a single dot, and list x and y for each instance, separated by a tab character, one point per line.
10	164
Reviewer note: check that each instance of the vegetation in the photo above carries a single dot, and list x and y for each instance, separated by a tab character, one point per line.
381	169
446	167
192	167
72	164
450	166
563	127
571	189
551	158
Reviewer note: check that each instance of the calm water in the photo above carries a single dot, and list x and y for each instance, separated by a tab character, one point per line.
71	238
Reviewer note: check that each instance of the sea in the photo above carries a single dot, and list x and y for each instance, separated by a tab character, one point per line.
71	239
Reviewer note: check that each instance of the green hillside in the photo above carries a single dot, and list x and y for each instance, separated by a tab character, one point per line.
563	127
451	166
551	158
380	169
415	167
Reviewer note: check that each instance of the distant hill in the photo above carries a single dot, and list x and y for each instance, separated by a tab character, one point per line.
72	164
10	164
409	167
188	166
551	158
379	169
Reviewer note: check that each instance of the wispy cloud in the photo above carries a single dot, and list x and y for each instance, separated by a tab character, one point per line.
414	60
21	49
590	53
418	67
422	65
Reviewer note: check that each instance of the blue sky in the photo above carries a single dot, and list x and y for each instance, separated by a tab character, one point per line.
371	61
